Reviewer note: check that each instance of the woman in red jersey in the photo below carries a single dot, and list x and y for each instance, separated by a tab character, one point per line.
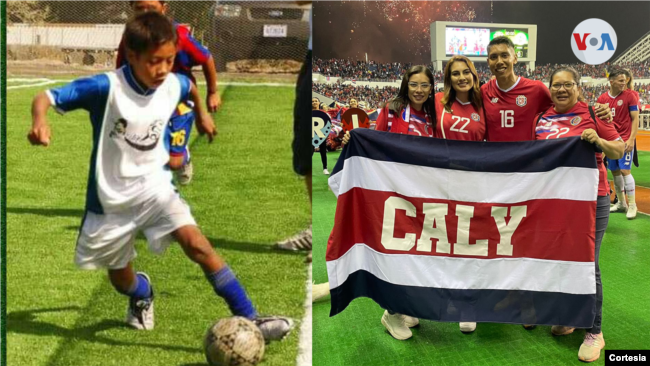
412	111
459	111
571	116
459	108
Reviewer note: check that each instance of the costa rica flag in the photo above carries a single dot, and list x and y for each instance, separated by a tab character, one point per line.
465	231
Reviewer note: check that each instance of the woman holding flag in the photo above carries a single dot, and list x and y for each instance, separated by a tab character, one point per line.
411	112
571	116
459	110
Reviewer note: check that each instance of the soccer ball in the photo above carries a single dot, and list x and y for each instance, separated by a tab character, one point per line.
234	341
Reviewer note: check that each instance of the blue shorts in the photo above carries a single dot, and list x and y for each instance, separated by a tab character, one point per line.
180	127
624	163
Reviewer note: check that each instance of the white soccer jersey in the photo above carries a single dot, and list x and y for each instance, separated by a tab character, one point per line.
129	155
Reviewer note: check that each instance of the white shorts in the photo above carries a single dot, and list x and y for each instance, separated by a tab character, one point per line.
107	241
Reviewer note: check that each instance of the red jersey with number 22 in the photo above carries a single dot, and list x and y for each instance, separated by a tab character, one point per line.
510	114
553	125
464	122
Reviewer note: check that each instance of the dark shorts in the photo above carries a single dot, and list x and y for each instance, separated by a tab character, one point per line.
302	147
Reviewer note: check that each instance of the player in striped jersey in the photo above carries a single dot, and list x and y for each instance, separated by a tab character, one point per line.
571	116
190	53
625	108
129	188
459	109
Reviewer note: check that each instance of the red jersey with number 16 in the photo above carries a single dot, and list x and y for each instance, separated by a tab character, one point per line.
510	114
464	122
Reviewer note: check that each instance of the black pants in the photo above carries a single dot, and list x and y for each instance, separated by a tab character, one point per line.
602	218
323	153
302	124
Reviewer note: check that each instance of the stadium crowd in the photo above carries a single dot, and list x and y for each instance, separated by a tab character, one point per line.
373	71
374	96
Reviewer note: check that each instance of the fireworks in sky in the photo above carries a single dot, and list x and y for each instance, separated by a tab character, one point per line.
407	22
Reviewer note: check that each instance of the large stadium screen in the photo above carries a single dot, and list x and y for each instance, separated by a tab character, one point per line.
467	41
474	41
517	36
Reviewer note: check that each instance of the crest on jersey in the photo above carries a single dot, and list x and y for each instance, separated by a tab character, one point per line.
476	117
619	103
494	100
521	100
575	120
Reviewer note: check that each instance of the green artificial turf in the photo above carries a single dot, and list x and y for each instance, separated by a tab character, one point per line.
641	174
357	337
244	196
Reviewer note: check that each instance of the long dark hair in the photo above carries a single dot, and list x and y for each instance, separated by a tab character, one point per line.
399	102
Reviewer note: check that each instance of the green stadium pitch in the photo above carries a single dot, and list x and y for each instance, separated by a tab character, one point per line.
357	337
244	196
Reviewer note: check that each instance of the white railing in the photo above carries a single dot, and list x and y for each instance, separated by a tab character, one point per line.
644	122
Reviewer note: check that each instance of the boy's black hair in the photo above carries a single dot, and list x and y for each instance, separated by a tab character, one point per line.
148	30
160	1
501	40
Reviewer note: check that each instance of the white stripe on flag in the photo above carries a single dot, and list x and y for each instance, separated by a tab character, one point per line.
466	273
466	186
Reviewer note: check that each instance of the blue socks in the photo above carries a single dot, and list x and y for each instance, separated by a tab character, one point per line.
141	289
225	284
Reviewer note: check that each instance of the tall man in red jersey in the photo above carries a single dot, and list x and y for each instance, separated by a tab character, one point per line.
511	102
625	110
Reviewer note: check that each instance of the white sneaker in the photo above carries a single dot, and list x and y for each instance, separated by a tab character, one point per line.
301	241
395	326
319	291
185	174
591	346
326	172
467	327
411	321
274	328
620	206
139	314
631	212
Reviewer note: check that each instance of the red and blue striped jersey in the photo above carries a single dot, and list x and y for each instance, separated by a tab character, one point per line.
189	53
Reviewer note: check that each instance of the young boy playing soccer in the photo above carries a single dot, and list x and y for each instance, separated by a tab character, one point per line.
189	53
129	187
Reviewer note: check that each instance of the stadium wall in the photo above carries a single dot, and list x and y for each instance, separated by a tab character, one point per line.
75	36
322	79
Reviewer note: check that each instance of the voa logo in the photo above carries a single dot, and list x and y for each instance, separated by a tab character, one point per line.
593	41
